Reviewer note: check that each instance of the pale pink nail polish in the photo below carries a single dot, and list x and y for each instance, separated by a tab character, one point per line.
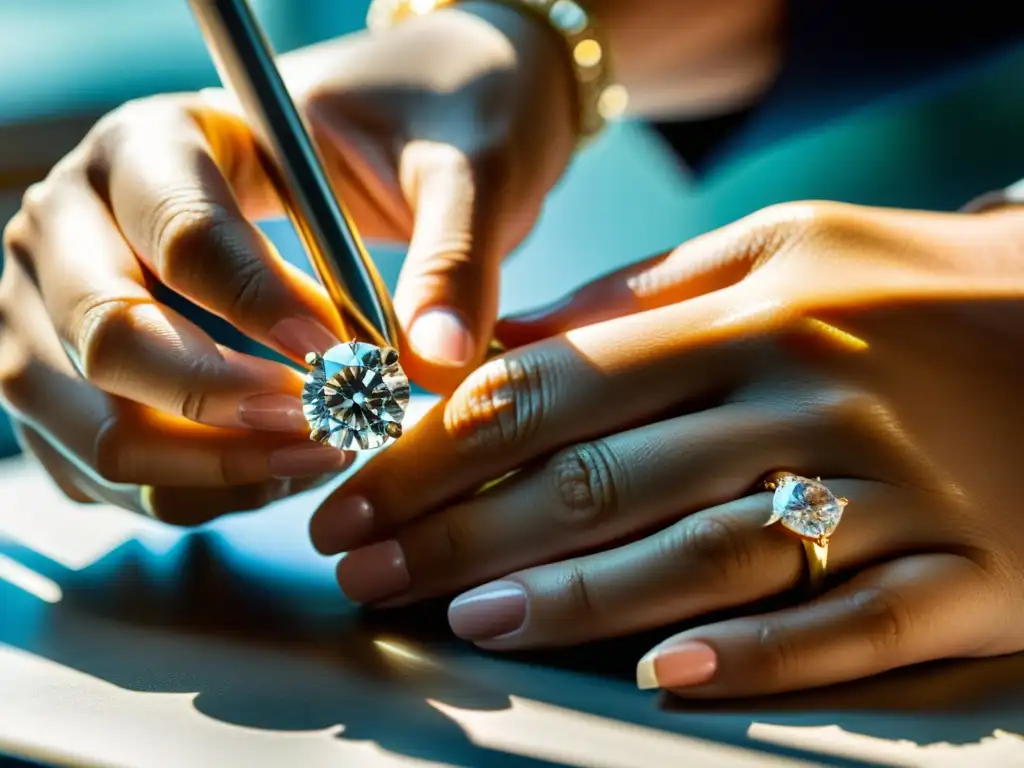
276	413
306	460
302	335
442	336
372	573
677	664
490	611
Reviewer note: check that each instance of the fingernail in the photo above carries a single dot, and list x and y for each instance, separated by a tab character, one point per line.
441	335
373	573
488	612
302	335
278	413
347	523
306	460
676	665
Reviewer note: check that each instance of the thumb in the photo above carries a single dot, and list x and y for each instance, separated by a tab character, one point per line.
707	263
447	295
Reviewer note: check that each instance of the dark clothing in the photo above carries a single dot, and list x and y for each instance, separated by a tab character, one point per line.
844	54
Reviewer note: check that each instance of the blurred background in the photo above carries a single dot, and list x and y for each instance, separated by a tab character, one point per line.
63	63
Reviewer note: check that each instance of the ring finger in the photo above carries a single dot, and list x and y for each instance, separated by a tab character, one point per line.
605	491
718	559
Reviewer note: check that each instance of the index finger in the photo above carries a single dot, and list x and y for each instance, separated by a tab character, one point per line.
540	398
175	183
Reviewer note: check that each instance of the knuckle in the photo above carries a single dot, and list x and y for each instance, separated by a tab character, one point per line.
191	405
778	658
191	400
35	199
248	289
100	334
817	214
585	484
883	617
16	236
579	594
18	384
714	546
108	452
186	226
456	541
501	405
852	412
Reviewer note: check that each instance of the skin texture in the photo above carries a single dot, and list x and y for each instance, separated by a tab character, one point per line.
874	348
113	390
446	132
633	422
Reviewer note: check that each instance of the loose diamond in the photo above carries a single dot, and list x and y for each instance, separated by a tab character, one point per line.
806	507
355	396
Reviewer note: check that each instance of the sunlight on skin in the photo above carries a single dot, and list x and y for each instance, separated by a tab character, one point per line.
546	732
1001	748
836	336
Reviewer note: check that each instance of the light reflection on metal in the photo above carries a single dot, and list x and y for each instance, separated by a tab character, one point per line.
403	654
836	335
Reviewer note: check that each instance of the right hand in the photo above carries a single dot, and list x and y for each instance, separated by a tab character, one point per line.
448	130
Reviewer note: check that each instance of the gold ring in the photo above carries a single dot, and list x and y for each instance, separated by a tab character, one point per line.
810	511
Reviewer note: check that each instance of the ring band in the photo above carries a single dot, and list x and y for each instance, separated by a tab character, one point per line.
810	511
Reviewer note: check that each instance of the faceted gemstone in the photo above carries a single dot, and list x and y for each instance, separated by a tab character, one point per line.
806	507
355	396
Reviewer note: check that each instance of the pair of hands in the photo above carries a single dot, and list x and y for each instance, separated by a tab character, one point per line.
447	131
640	414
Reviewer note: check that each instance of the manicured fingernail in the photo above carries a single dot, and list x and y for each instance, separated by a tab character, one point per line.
373	573
278	413
346	523
676	665
307	460
441	335
488	612
302	335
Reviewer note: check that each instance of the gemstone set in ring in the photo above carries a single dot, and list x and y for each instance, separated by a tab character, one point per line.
355	396
808	509
805	507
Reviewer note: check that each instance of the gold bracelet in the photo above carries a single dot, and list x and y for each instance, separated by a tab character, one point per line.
600	99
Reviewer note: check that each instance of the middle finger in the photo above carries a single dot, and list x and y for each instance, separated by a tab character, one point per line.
538	399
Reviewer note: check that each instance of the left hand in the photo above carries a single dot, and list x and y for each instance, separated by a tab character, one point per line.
641	440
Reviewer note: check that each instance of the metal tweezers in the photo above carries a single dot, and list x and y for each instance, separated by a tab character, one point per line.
245	61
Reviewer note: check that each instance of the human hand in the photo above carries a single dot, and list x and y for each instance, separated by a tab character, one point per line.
876	349
449	129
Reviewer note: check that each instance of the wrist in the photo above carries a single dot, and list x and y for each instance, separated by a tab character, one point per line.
691	58
584	52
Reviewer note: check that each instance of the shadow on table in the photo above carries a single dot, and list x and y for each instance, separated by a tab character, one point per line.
185	621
